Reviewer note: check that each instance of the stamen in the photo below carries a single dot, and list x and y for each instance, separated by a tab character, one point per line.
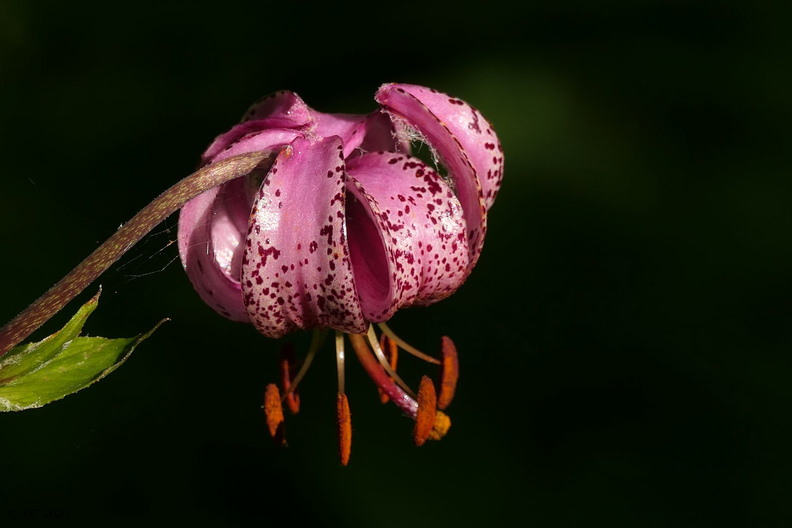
344	428
449	375
406	346
374	369
273	411
429	423
316	341
372	339
427	411
339	342
391	350
287	365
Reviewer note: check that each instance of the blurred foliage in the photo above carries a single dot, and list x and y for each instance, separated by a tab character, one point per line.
624	341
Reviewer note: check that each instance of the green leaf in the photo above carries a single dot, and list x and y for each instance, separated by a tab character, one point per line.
36	374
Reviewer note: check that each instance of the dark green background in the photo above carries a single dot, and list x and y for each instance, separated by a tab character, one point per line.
625	343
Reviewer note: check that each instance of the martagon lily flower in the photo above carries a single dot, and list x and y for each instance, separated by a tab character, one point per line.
344	229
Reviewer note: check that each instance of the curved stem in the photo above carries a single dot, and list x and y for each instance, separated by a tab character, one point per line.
122	240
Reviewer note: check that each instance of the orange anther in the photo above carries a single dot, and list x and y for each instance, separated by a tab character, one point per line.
273	411
344	428
441	426
427	411
287	367
391	350
449	374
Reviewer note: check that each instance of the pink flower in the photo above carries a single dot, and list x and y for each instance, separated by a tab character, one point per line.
346	227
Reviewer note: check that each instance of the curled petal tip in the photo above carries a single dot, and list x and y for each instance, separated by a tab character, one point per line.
466	125
283	109
437	118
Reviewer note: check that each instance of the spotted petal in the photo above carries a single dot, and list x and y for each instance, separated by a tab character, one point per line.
462	138
213	226
406	234
296	271
474	133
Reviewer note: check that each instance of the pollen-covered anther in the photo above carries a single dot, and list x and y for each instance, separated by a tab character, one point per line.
286	365
441	426
344	428
273	411
427	411
391	350
449	373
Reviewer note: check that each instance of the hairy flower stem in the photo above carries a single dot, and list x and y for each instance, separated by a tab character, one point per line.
122	241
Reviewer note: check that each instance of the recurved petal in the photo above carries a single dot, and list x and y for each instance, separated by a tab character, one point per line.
407	235
345	126
474	132
213	226
296	271
372	132
204	251
282	109
413	111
